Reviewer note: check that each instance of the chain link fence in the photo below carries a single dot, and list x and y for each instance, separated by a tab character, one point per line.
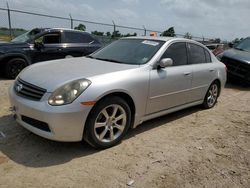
15	22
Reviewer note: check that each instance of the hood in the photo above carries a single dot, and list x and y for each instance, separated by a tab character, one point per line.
12	45
52	74
237	55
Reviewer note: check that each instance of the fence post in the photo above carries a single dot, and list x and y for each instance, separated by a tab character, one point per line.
71	21
10	29
114	28
145	30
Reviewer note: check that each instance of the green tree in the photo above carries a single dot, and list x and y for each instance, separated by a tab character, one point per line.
108	34
129	35
236	40
188	35
80	27
97	33
116	34
170	32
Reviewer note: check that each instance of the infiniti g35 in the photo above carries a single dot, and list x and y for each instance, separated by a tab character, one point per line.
99	97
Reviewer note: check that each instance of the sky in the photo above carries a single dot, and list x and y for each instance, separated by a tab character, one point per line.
225	19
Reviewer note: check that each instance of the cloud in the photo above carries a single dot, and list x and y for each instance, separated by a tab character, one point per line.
130	1
226	19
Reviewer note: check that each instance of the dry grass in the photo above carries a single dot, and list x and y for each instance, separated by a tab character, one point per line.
5	38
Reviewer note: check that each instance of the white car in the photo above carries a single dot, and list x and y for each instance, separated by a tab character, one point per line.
99	97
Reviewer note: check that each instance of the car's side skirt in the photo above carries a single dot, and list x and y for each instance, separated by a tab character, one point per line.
168	111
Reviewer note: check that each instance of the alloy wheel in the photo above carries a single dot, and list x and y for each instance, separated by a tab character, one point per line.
212	95
110	123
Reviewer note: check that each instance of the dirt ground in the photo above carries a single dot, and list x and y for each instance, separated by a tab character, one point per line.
190	148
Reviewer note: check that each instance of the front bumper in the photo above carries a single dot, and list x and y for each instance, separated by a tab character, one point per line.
66	123
237	69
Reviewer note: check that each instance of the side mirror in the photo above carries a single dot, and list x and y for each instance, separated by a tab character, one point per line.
38	45
166	62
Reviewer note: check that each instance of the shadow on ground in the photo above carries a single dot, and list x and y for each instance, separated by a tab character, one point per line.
23	147
239	85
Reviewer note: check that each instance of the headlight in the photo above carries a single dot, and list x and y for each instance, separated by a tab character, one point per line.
69	92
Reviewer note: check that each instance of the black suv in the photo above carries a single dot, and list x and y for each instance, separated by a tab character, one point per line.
237	61
42	45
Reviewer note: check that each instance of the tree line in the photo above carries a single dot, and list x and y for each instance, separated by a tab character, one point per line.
170	32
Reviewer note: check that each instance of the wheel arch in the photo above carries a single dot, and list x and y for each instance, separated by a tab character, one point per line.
8	57
217	80
125	96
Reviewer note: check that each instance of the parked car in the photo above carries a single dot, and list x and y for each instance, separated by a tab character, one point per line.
237	61
216	48
44	44
120	86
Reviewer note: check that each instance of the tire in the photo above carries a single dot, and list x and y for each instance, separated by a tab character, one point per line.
14	67
110	115
211	95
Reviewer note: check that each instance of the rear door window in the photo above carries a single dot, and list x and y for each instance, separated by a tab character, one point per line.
208	57
196	54
177	52
75	37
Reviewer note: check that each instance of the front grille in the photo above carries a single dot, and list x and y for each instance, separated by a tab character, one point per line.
27	90
36	123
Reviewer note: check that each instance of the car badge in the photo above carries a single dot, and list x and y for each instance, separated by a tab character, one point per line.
19	87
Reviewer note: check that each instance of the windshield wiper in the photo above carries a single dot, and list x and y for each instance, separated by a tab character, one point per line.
110	60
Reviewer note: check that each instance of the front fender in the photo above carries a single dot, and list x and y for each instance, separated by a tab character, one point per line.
15	55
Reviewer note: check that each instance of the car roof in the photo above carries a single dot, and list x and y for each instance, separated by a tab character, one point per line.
58	29
166	39
150	38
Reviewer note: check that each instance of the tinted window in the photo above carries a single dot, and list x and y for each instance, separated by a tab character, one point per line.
196	54
208	57
50	38
177	52
129	51
74	37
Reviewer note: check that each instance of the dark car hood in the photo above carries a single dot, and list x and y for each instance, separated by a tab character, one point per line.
12	45
237	55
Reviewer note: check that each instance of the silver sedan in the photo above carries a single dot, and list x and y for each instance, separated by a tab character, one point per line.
99	97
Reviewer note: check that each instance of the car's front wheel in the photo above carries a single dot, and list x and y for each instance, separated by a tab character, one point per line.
108	122
211	95
14	67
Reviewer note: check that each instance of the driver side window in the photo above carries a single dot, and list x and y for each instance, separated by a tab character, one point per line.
50	38
177	52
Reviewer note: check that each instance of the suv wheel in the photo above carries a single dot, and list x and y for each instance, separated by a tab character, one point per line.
14	67
108	122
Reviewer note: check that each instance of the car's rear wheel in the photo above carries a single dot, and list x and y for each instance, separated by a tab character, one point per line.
108	122
211	95
14	67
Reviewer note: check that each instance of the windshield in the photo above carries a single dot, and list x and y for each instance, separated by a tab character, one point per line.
26	37
244	45
129	51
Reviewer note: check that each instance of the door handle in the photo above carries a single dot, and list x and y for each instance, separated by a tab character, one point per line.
211	70
187	73
59	49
